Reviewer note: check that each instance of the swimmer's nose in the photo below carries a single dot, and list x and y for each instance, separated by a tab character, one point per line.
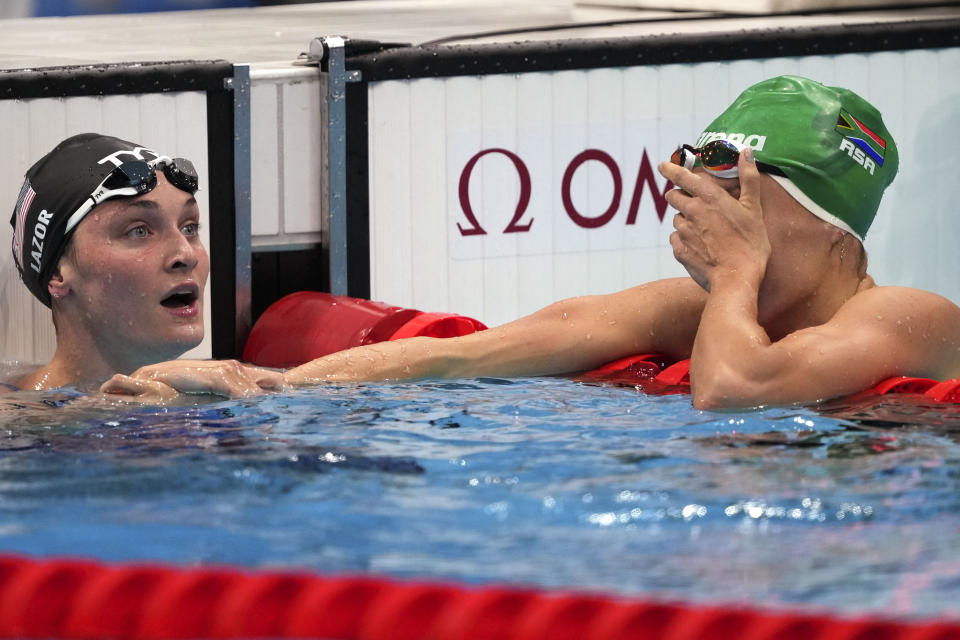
185	255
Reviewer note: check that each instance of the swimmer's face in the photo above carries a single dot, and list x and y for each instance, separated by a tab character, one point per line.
135	272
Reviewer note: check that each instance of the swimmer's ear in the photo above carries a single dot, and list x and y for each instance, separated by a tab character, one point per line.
56	286
837	235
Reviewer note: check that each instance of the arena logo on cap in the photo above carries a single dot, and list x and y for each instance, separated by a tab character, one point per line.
860	143
751	140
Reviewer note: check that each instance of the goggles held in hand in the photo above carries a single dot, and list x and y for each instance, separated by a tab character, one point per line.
135	178
719	157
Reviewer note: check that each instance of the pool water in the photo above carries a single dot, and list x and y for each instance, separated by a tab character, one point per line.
852	508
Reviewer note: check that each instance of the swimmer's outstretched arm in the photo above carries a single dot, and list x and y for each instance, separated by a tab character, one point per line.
568	336
878	333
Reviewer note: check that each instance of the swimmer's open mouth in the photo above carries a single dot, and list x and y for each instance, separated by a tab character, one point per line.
181	297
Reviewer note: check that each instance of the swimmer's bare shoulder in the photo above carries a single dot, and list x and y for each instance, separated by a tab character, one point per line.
918	330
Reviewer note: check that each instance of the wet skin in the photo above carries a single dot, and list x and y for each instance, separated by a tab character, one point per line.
128	290
788	248
787	318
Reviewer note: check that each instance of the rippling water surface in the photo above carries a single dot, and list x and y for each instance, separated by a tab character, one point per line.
549	482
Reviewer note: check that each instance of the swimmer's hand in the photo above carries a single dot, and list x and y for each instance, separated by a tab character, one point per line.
719	227
131	389
164	381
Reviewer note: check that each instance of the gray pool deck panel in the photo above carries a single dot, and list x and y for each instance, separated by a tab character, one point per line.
267	36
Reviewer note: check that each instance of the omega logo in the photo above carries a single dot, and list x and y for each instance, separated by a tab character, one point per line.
645	180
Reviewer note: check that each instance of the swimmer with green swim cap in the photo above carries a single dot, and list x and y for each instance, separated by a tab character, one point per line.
826	146
773	200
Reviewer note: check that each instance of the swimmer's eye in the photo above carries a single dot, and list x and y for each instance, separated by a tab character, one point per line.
191	229
139	231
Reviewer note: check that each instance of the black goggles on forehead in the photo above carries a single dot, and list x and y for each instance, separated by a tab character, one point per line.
135	178
719	157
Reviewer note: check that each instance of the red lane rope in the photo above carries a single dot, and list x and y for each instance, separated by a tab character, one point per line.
77	599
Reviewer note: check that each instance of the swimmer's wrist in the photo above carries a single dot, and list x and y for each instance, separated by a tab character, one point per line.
743	277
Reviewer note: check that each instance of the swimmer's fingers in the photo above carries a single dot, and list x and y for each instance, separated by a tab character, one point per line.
749	183
132	389
688	183
695	196
221	377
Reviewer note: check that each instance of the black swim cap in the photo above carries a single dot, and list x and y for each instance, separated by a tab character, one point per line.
54	188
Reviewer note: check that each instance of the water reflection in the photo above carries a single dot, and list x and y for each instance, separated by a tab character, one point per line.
541	481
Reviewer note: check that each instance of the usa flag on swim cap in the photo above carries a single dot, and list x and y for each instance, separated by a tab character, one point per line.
858	133
23	205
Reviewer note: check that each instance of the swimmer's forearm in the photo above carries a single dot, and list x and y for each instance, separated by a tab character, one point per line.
409	359
567	336
731	348
509	350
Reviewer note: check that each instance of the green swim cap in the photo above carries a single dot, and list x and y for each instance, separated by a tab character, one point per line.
830	143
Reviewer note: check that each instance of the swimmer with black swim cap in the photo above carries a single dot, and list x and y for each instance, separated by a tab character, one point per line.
773	201
106	236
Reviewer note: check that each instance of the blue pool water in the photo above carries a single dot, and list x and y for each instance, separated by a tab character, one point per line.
544	482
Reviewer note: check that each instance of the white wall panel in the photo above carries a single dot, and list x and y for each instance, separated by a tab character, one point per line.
16	314
122	114
534	275
393	236
917	244
173	123
463	100
287	161
549	118
605	131
498	103
677	123
569	114
265	204
429	277
84	112
641	134
302	156
47	126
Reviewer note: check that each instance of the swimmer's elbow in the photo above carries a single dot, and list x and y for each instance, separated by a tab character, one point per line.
711	399
724	388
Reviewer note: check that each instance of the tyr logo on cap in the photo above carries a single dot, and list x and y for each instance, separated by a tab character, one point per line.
54	189
136	152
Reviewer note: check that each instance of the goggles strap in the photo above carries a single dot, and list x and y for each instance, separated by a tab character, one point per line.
101	194
179	172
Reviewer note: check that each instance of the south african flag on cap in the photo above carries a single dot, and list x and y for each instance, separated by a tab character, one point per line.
858	133
833	164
